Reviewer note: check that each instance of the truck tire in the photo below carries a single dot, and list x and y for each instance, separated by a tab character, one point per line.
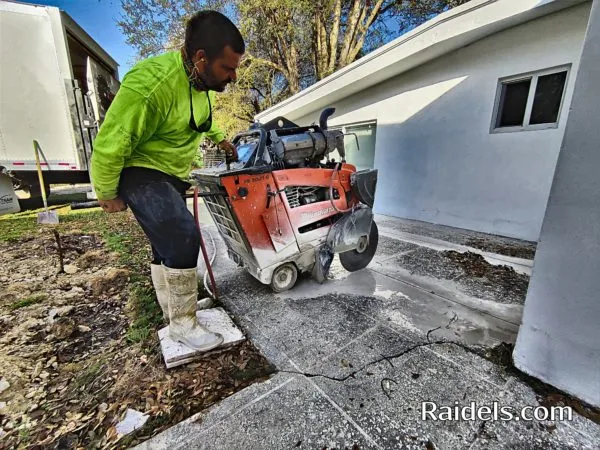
35	190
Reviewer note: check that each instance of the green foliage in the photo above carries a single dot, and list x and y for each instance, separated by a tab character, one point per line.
27	301
291	44
90	373
14	228
146	313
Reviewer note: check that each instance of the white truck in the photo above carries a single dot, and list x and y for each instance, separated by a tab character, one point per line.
56	84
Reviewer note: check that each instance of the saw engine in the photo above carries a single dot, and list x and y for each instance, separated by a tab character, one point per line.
286	206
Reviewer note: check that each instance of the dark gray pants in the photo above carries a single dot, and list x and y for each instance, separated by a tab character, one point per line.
161	211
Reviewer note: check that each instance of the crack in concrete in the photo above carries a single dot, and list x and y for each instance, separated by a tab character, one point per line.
384	358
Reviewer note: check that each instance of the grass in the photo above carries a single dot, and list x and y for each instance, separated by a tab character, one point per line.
12	230
90	373
27	301
146	313
122	235
24	434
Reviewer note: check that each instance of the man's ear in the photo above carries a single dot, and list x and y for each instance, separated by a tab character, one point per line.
200	56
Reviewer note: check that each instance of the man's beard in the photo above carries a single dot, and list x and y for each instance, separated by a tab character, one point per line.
210	81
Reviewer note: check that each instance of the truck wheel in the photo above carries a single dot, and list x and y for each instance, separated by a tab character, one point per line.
360	258
284	277
35	190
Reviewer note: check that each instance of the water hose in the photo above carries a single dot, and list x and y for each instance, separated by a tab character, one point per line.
207	262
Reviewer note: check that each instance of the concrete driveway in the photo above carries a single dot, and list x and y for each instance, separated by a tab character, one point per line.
360	355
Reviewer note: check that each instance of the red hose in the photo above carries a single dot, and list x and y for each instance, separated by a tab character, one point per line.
204	254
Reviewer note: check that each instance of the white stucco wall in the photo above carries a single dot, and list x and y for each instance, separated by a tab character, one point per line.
436	157
559	339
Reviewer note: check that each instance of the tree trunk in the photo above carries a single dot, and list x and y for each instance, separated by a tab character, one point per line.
352	23
335	32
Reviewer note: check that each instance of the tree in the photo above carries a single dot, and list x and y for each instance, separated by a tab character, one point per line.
341	28
253	93
291	44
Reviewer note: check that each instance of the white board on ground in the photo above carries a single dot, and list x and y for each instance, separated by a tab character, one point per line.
215	320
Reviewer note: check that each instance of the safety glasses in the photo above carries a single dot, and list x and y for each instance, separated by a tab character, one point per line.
206	126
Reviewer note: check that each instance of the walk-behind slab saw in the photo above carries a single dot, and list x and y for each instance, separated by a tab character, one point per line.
286	207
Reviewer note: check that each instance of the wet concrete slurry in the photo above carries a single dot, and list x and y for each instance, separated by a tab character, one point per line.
358	356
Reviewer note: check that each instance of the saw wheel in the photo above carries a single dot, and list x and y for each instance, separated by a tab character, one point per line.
360	258
284	277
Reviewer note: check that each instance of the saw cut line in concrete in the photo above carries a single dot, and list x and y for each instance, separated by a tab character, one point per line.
455	300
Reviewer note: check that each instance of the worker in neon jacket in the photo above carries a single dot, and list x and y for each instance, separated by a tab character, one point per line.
144	151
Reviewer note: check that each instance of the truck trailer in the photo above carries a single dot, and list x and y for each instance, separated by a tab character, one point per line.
56	84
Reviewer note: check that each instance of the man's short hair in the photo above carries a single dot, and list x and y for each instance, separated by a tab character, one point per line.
211	31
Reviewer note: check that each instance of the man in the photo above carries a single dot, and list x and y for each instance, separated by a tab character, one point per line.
144	150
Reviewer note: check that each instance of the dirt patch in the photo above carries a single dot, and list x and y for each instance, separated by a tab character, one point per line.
79	348
526	251
472	274
502	278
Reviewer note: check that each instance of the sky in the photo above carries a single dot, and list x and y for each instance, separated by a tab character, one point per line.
99	19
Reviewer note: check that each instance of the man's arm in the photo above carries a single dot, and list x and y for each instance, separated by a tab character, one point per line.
131	119
217	136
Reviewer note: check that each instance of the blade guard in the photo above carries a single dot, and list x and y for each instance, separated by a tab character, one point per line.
345	234
364	184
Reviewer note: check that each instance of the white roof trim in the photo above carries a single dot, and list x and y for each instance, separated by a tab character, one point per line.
446	32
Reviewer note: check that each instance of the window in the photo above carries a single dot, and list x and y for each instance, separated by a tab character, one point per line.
363	156
530	102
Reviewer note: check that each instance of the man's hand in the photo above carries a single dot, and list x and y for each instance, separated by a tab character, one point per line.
230	150
114	205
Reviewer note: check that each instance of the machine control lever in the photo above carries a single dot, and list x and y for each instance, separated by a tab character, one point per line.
272	194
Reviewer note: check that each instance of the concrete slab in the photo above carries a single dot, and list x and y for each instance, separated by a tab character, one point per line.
470	275
525	395
286	412
520	265
216	320
356	363
309	329
388	401
450	291
388	397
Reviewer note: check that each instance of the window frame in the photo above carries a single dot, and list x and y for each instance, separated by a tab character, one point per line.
534	76
372	123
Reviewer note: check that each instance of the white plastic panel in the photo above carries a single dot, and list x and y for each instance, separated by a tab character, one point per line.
33	102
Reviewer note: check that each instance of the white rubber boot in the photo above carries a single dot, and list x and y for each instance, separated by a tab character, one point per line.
161	289
162	293
183	325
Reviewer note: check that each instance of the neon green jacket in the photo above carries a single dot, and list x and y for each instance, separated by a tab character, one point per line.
147	124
